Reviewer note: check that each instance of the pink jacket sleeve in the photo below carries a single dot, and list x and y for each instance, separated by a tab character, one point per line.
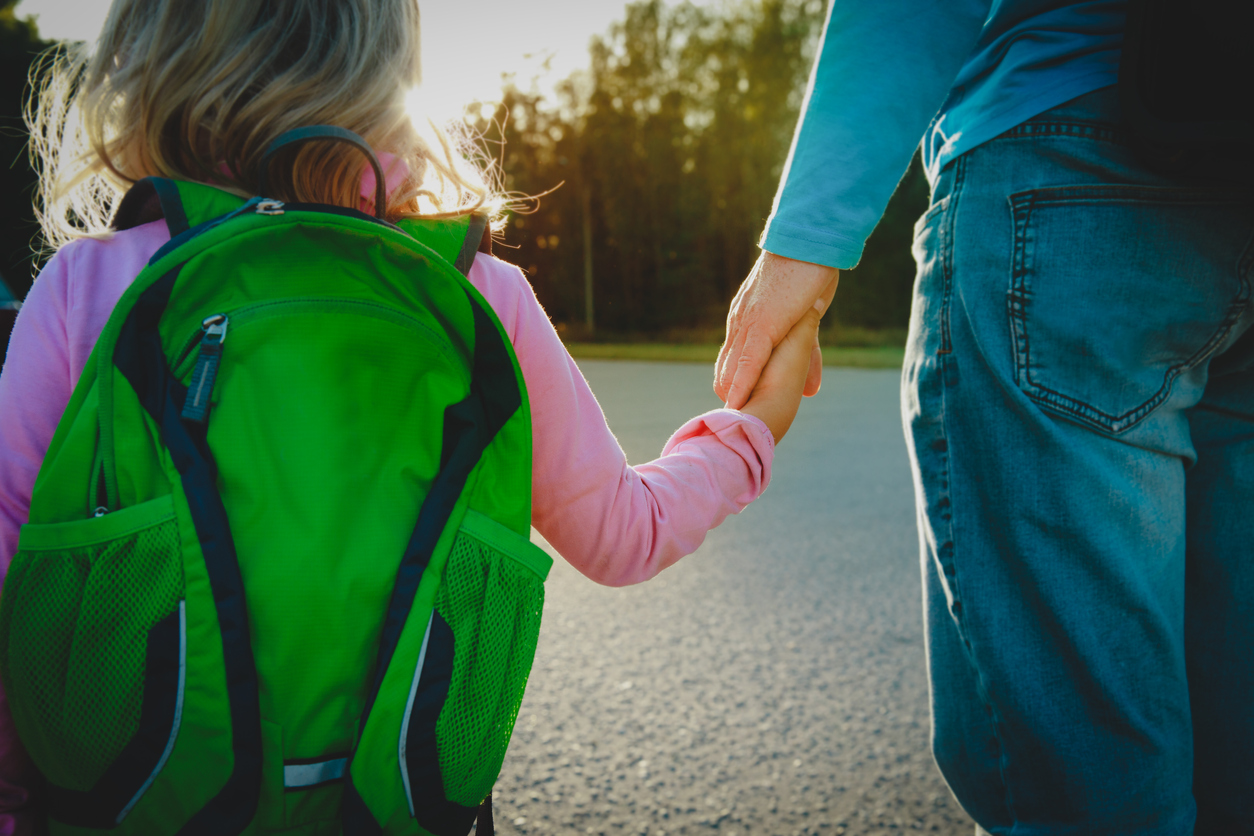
616	523
56	329
34	389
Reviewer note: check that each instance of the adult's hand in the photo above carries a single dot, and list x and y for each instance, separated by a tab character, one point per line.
774	297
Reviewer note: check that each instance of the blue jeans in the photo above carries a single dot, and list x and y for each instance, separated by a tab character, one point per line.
1078	399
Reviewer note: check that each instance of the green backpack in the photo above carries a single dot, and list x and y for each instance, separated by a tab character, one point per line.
277	574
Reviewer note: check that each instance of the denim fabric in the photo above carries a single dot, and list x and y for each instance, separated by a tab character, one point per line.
1078	399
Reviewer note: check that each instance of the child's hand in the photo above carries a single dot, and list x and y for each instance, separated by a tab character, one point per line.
777	395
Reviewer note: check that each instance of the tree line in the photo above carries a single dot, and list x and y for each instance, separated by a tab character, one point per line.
20	44
657	165
669	148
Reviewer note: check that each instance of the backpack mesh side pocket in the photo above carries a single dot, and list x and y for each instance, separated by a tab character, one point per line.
79	602
492	597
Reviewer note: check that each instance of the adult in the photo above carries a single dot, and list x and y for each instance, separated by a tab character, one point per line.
1078	399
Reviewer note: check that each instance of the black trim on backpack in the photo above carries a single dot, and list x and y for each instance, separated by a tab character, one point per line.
473	243
100	806
433	812
151	199
485	243
483	824
355	816
469	427
141	359
426	785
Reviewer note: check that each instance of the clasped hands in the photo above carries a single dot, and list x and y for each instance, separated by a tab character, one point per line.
771	355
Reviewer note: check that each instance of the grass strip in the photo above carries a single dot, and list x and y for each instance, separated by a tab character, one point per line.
881	357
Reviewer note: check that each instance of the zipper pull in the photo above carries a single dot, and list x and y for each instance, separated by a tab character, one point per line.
269	207
200	388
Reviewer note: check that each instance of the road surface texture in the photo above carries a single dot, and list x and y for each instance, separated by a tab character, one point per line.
771	683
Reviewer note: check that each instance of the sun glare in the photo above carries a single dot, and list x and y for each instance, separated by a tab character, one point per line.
424	105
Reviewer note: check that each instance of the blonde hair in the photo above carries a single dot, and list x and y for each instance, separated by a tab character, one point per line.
197	89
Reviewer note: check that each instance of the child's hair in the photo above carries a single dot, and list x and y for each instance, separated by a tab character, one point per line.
197	89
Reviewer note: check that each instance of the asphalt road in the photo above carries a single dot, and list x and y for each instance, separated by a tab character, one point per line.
771	683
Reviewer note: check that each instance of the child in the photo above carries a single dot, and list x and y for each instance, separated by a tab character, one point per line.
194	90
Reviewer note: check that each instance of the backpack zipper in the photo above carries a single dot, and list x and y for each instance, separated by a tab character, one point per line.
310	304
200	387
212	333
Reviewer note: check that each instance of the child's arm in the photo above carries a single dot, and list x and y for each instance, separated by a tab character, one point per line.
56	329
616	523
34	389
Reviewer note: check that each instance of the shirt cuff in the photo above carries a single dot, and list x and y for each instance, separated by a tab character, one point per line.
745	434
808	244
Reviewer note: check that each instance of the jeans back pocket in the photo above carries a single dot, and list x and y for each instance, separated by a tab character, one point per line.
1119	292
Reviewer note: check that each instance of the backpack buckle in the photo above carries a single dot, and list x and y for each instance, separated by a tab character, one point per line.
270	207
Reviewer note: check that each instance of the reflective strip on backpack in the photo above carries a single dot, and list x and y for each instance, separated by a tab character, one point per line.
302	775
402	755
178	714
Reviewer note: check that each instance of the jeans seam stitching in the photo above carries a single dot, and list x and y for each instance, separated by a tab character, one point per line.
1064	128
946	228
946	549
1016	298
1124	194
959	617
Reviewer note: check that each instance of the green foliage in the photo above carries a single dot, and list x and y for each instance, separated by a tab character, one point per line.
19	45
674	139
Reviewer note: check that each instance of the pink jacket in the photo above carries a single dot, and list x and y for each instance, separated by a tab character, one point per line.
615	523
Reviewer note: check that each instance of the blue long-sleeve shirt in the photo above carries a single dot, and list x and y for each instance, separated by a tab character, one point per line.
952	73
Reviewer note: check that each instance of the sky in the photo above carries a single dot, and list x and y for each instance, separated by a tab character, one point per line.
465	46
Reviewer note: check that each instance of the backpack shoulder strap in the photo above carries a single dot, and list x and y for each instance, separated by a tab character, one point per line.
151	199
456	240
182	205
478	240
